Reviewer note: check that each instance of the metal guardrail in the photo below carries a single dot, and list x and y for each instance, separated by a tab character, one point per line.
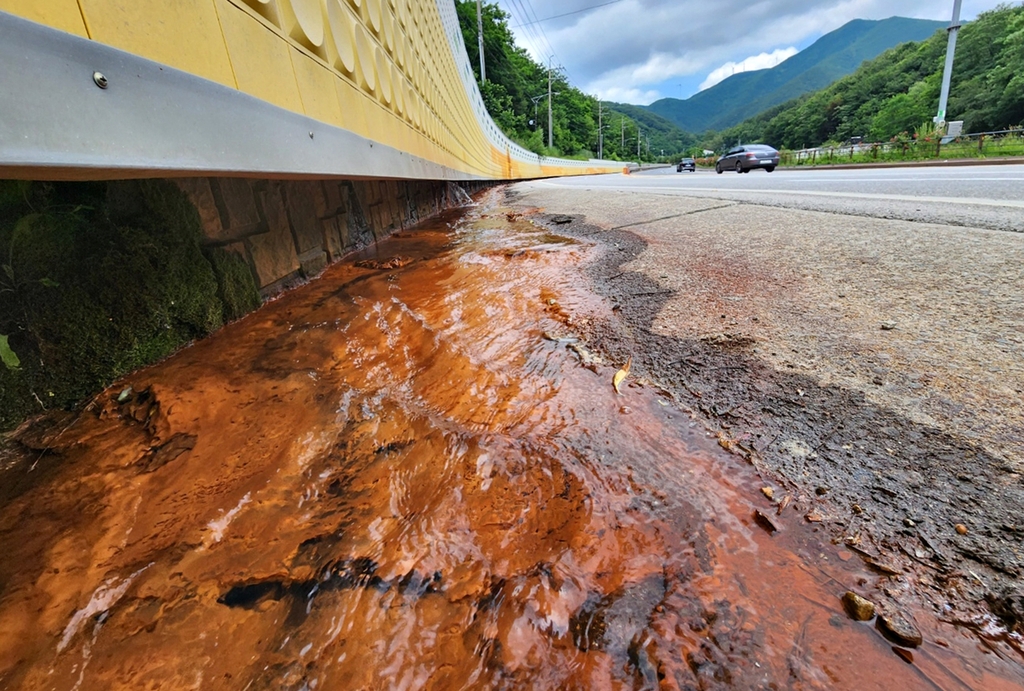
1008	142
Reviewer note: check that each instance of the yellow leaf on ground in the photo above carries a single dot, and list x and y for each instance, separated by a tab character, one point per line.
621	375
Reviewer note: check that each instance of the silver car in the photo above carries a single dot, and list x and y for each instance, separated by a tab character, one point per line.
745	158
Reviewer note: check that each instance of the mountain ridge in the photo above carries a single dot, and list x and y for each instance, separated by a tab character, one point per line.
833	56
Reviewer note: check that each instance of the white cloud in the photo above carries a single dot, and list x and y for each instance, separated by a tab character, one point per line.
643	46
631	78
754	62
636	96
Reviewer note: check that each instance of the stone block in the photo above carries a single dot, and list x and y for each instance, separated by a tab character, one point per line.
201	195
356	231
319	199
395	212
305	222
334	241
334	197
236	203
273	253
313	263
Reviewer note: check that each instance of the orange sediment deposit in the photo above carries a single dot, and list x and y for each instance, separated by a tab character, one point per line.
394	480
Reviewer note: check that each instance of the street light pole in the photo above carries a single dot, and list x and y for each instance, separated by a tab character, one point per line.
480	40
947	75
551	137
536	99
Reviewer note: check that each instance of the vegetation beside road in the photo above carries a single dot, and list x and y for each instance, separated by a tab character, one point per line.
885	101
926	147
888	98
514	80
515	94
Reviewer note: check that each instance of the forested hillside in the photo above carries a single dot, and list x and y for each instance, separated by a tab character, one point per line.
831	57
661	134
515	94
898	92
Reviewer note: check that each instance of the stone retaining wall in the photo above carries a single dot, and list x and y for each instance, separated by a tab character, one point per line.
289	231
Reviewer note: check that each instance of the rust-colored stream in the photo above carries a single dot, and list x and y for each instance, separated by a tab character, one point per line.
402	478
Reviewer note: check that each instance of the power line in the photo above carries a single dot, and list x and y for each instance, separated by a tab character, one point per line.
530	33
569	76
540	42
566	14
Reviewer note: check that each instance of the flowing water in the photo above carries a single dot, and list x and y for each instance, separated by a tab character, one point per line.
407	475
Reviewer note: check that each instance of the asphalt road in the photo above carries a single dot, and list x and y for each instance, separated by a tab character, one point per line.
975	196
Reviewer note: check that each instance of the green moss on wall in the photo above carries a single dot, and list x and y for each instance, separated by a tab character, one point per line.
236	285
100	279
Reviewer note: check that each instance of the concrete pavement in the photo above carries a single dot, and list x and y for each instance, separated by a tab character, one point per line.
989	197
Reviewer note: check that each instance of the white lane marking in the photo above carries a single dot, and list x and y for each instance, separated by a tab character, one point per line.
811	193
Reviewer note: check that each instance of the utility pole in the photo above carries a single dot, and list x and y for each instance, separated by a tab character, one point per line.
551	134
600	130
480	40
638	142
622	121
947	75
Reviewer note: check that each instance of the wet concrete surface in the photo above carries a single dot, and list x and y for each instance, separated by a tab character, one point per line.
414	473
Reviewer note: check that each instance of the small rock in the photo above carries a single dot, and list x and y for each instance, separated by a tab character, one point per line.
814	517
904	655
125	394
768	492
882	567
392	263
857	509
821	491
961	528
900	630
175	446
857	607
888	326
765	522
909	523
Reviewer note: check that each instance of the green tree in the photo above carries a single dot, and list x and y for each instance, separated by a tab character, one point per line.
899	90
515	95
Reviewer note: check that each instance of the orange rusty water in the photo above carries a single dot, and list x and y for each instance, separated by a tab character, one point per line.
404	478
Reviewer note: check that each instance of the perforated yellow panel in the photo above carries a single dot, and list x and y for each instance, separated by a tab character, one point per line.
60	14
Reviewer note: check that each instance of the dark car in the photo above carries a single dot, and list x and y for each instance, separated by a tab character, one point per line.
687	164
743	159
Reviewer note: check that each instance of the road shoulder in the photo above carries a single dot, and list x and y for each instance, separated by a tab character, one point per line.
869	369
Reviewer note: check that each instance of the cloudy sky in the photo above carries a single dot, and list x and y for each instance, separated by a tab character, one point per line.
637	51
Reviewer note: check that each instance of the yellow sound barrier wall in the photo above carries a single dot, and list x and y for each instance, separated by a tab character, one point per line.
391	72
